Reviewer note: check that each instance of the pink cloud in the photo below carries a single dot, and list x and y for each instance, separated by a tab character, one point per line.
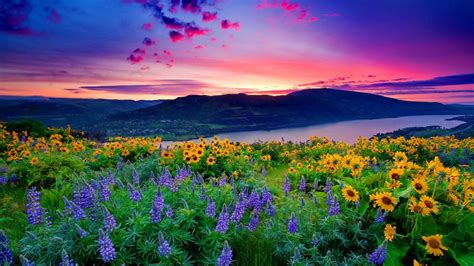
226	24
193	30
135	59
147	26
176	36
287	6
209	16
168	53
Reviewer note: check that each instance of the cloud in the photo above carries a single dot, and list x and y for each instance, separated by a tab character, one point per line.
176	36
461	79
209	16
226	24
173	87
14	15
148	41
298	13
135	59
147	26
192	30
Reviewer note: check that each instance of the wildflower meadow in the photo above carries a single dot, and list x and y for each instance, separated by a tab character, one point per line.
67	200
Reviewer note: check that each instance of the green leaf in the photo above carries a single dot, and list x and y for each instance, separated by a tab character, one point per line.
395	254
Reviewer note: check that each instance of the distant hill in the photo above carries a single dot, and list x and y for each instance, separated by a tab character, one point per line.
203	115
465	130
63	111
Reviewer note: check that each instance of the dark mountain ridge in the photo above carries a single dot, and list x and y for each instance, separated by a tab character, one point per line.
200	114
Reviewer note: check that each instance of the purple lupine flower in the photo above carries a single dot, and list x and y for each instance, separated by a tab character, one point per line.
315	240
84	196
238	211
75	210
302	186
104	191
341	186
286	186
6	256
252	199
222	181
211	208
357	204
110	178
109	221
378	256
380	217
106	247
293	224
328	186
3	180
157	208
13	178
33	207
334	208
169	211
183	173
82	233
264	171
225	259
223	222
25	261
166	179
266	196
135	177
253	223
65	260
270	211
296	257
203	196
135	194
315	184
164	248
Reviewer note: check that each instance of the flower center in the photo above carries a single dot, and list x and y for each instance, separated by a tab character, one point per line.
395	176
350	193
429	204
418	186
386	201
434	243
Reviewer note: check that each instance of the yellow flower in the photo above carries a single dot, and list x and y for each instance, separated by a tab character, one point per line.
389	232
420	185
384	200
434	245
429	203
210	160
291	170
394	184
350	194
34	160
416	207
395	174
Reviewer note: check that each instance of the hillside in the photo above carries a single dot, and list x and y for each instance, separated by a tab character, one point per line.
202	115
62	111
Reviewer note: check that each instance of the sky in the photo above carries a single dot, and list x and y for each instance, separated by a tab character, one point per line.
417	50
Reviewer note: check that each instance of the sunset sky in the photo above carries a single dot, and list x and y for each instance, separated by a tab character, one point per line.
161	49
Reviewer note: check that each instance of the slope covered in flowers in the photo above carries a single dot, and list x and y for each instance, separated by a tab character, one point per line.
397	201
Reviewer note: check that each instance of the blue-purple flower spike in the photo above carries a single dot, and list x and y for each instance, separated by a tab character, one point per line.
223	222
106	247
293	224
225	259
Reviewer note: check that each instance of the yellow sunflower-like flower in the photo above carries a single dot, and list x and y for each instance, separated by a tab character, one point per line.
389	232
384	200
434	245
210	160
395	174
34	160
430	204
291	170
416	207
350	194
420	185
394	184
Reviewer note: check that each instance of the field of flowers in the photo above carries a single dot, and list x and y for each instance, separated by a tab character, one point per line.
68	200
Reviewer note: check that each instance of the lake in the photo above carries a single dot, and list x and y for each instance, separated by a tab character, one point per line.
347	131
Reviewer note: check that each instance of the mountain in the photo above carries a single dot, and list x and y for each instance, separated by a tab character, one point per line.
78	113
204	115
